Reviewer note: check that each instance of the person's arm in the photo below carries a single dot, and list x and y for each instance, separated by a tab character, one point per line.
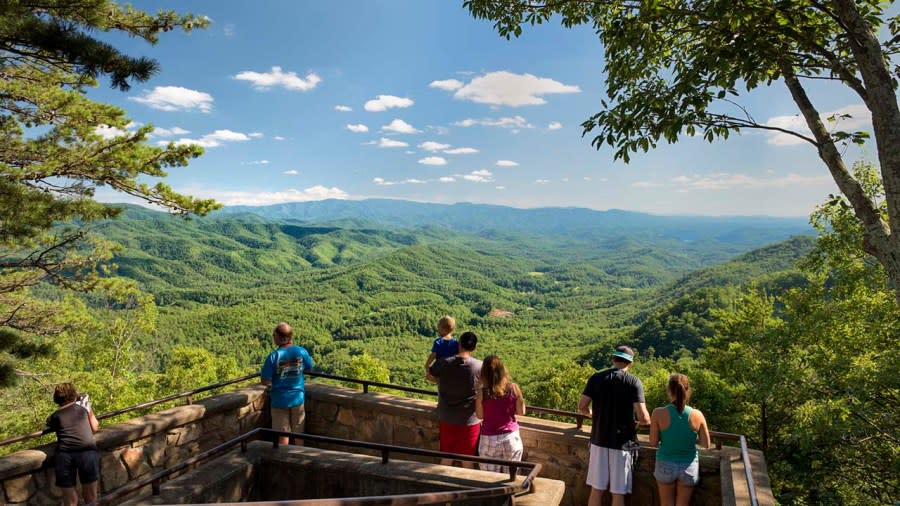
428	362
654	427
642	415
479	404
520	400
584	404
703	432
307	361
268	370
95	425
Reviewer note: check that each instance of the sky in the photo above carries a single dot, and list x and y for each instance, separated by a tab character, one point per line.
416	100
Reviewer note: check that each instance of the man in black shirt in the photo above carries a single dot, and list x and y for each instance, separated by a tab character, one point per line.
617	396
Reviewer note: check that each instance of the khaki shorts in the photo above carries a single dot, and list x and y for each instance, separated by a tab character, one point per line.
289	419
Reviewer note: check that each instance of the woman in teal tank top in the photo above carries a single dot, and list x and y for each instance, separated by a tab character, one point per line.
676	430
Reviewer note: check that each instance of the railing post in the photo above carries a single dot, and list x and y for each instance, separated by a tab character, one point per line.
579	421
244	446
190	399
513	470
365	387
384	455
718	443
155	486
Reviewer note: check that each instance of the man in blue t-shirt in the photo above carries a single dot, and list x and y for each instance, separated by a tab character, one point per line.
283	370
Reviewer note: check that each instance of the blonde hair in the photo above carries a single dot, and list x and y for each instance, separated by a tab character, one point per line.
446	325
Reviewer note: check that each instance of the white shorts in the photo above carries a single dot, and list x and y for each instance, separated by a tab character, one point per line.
610	469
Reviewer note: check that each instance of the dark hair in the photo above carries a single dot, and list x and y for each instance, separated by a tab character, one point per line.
283	333
680	388
494	377
64	393
624	349
468	341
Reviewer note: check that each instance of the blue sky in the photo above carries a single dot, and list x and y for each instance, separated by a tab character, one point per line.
285	96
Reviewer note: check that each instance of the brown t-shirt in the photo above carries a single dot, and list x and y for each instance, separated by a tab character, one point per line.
457	380
72	428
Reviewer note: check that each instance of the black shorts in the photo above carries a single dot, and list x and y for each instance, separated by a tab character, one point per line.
85	464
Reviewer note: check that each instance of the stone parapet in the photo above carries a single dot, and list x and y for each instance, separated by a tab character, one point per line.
140	446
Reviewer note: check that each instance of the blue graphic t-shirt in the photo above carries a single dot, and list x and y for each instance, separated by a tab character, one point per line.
284	368
445	347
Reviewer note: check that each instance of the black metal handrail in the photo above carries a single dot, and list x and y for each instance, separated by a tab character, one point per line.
189	394
155	481
579	418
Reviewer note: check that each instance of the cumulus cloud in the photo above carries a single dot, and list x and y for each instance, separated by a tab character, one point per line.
507	88
505	122
258	162
461	151
725	181
278	138
212	140
385	102
255	135
278	78
554	125
175	98
433	146
479	176
438	130
447	84
645	184
447	179
383	182
169	132
384	142
433	160
291	172
399	126
261	198
506	163
859	117
500	187
343	108
110	132
541	181
360	128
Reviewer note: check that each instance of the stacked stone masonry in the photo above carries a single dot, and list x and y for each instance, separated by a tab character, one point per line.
150	443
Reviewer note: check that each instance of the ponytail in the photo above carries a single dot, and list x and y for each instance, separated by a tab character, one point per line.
680	388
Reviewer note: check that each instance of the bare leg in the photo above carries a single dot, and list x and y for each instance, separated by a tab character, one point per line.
666	493
283	441
683	496
596	496
70	496
618	499
89	491
446	462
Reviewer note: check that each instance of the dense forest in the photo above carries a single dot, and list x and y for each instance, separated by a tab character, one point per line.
194	302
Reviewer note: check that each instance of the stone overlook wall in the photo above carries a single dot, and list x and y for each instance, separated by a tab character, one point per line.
140	446
150	443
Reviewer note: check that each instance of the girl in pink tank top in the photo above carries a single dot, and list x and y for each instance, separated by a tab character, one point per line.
497	403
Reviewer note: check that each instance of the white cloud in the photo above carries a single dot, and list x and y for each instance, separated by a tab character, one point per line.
360	128
433	160
228	30
433	146
408	152
175	98
261	198
504	122
109	132
461	151
447	84
390	143
276	77
541	181
479	176
438	130
399	126
860	117
587	178
255	135
500	187
343	108
278	138
447	179
554	125
506	163
506	88
645	184
169	132
258	162
213	140
726	181
291	172
382	182
385	102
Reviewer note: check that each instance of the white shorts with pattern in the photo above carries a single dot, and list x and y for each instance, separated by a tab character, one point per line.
506	446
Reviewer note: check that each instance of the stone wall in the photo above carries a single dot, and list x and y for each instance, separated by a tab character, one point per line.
140	446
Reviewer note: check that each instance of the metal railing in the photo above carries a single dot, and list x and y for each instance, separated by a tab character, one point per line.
717	437
155	481
188	394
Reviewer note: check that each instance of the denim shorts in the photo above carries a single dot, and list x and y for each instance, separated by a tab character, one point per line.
688	473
